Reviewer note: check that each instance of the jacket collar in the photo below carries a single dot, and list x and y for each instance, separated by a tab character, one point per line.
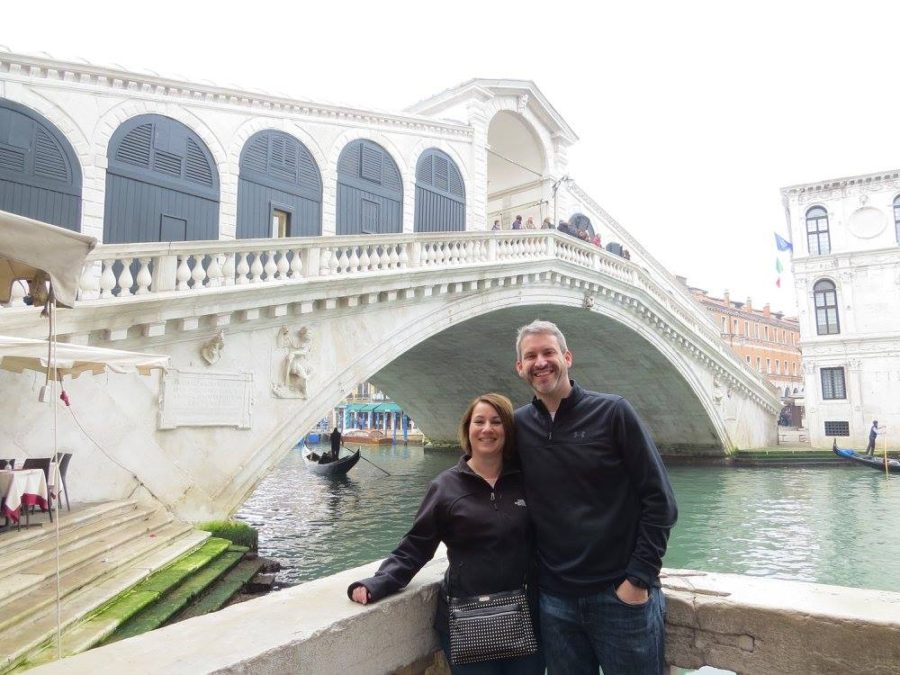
574	396
510	466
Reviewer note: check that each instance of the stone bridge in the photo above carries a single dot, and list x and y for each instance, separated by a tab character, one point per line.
266	336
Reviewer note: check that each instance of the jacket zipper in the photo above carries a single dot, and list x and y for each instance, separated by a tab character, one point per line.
493	501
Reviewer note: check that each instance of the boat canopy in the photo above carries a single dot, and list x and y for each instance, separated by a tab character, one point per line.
384	406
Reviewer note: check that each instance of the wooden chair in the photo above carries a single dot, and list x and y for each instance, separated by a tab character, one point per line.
64	460
42	463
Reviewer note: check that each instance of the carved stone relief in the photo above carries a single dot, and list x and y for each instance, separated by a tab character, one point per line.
294	371
211	350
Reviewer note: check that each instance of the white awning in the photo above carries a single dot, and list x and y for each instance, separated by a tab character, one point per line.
20	354
29	246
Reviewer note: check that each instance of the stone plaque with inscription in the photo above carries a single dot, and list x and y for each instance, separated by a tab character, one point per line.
196	398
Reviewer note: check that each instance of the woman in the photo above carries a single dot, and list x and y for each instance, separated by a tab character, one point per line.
478	510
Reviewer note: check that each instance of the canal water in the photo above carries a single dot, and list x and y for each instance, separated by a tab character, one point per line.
828	524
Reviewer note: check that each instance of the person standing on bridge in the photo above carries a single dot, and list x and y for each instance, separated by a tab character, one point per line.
602	508
478	509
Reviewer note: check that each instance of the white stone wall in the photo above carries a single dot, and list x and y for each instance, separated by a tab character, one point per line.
864	265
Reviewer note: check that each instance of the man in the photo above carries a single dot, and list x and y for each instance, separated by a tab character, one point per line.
873	435
335	444
602	507
517	223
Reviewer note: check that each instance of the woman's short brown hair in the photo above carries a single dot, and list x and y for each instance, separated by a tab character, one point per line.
504	408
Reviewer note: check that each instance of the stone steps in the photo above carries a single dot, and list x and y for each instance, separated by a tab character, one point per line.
104	551
225	589
20	589
181	594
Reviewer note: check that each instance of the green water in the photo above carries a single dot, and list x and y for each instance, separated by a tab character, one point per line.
832	524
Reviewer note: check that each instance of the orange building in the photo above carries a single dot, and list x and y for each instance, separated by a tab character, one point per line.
767	341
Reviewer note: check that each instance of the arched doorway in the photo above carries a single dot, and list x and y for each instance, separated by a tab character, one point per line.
161	184
516	171
279	189
440	194
369	190
40	176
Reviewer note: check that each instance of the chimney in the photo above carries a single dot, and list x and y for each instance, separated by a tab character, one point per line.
767	312
749	305
727	299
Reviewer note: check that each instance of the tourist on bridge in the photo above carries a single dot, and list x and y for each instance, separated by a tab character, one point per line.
478	509
517	223
590	454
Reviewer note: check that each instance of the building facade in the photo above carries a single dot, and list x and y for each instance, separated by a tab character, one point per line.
846	264
767	341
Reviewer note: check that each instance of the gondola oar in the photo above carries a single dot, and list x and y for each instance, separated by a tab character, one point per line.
368	460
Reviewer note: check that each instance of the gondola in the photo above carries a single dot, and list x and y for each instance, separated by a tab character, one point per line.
876	462
335	468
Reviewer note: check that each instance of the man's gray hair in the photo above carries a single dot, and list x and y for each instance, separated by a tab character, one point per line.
539	327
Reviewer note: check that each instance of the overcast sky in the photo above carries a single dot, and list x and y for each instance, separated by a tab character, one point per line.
691	115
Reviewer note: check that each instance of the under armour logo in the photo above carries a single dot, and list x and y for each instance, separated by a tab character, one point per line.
519	502
579	435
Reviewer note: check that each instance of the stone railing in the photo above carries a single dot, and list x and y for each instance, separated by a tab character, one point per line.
118	271
747	625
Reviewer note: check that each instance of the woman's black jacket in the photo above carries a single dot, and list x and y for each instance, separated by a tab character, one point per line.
486	531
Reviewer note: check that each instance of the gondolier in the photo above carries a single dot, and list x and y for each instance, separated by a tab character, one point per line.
873	436
335	444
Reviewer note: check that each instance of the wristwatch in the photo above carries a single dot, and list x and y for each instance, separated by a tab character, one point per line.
634	581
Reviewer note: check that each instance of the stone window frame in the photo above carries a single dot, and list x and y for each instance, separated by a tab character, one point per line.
828	319
816	228
834	384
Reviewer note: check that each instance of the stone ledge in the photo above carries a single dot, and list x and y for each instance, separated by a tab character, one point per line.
745	624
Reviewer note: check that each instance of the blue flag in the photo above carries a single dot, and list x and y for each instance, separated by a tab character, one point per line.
783	244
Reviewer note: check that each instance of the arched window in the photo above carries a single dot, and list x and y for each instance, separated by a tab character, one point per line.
817	236
40	176
280	188
440	194
825	298
897	218
369	191
161	184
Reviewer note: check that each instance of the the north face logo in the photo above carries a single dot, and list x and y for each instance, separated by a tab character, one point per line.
519	502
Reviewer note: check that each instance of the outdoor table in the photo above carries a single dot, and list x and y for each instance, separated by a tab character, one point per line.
26	487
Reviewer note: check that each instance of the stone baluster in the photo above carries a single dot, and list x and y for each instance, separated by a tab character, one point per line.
107	279
283	266
491	253
364	260
403	257
394	259
144	278
198	274
296	265
89	286
343	262
17	293
325	262
214	271
354	259
228	270
256	269
333	263
374	259
125	279
270	267
243	269
182	274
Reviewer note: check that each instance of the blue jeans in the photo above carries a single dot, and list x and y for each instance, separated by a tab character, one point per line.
582	634
522	665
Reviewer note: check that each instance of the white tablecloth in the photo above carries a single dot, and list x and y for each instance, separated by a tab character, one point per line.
24	486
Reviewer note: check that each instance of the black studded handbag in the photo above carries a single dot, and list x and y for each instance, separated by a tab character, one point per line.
488	627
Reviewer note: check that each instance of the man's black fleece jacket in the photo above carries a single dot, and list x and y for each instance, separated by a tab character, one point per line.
598	493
